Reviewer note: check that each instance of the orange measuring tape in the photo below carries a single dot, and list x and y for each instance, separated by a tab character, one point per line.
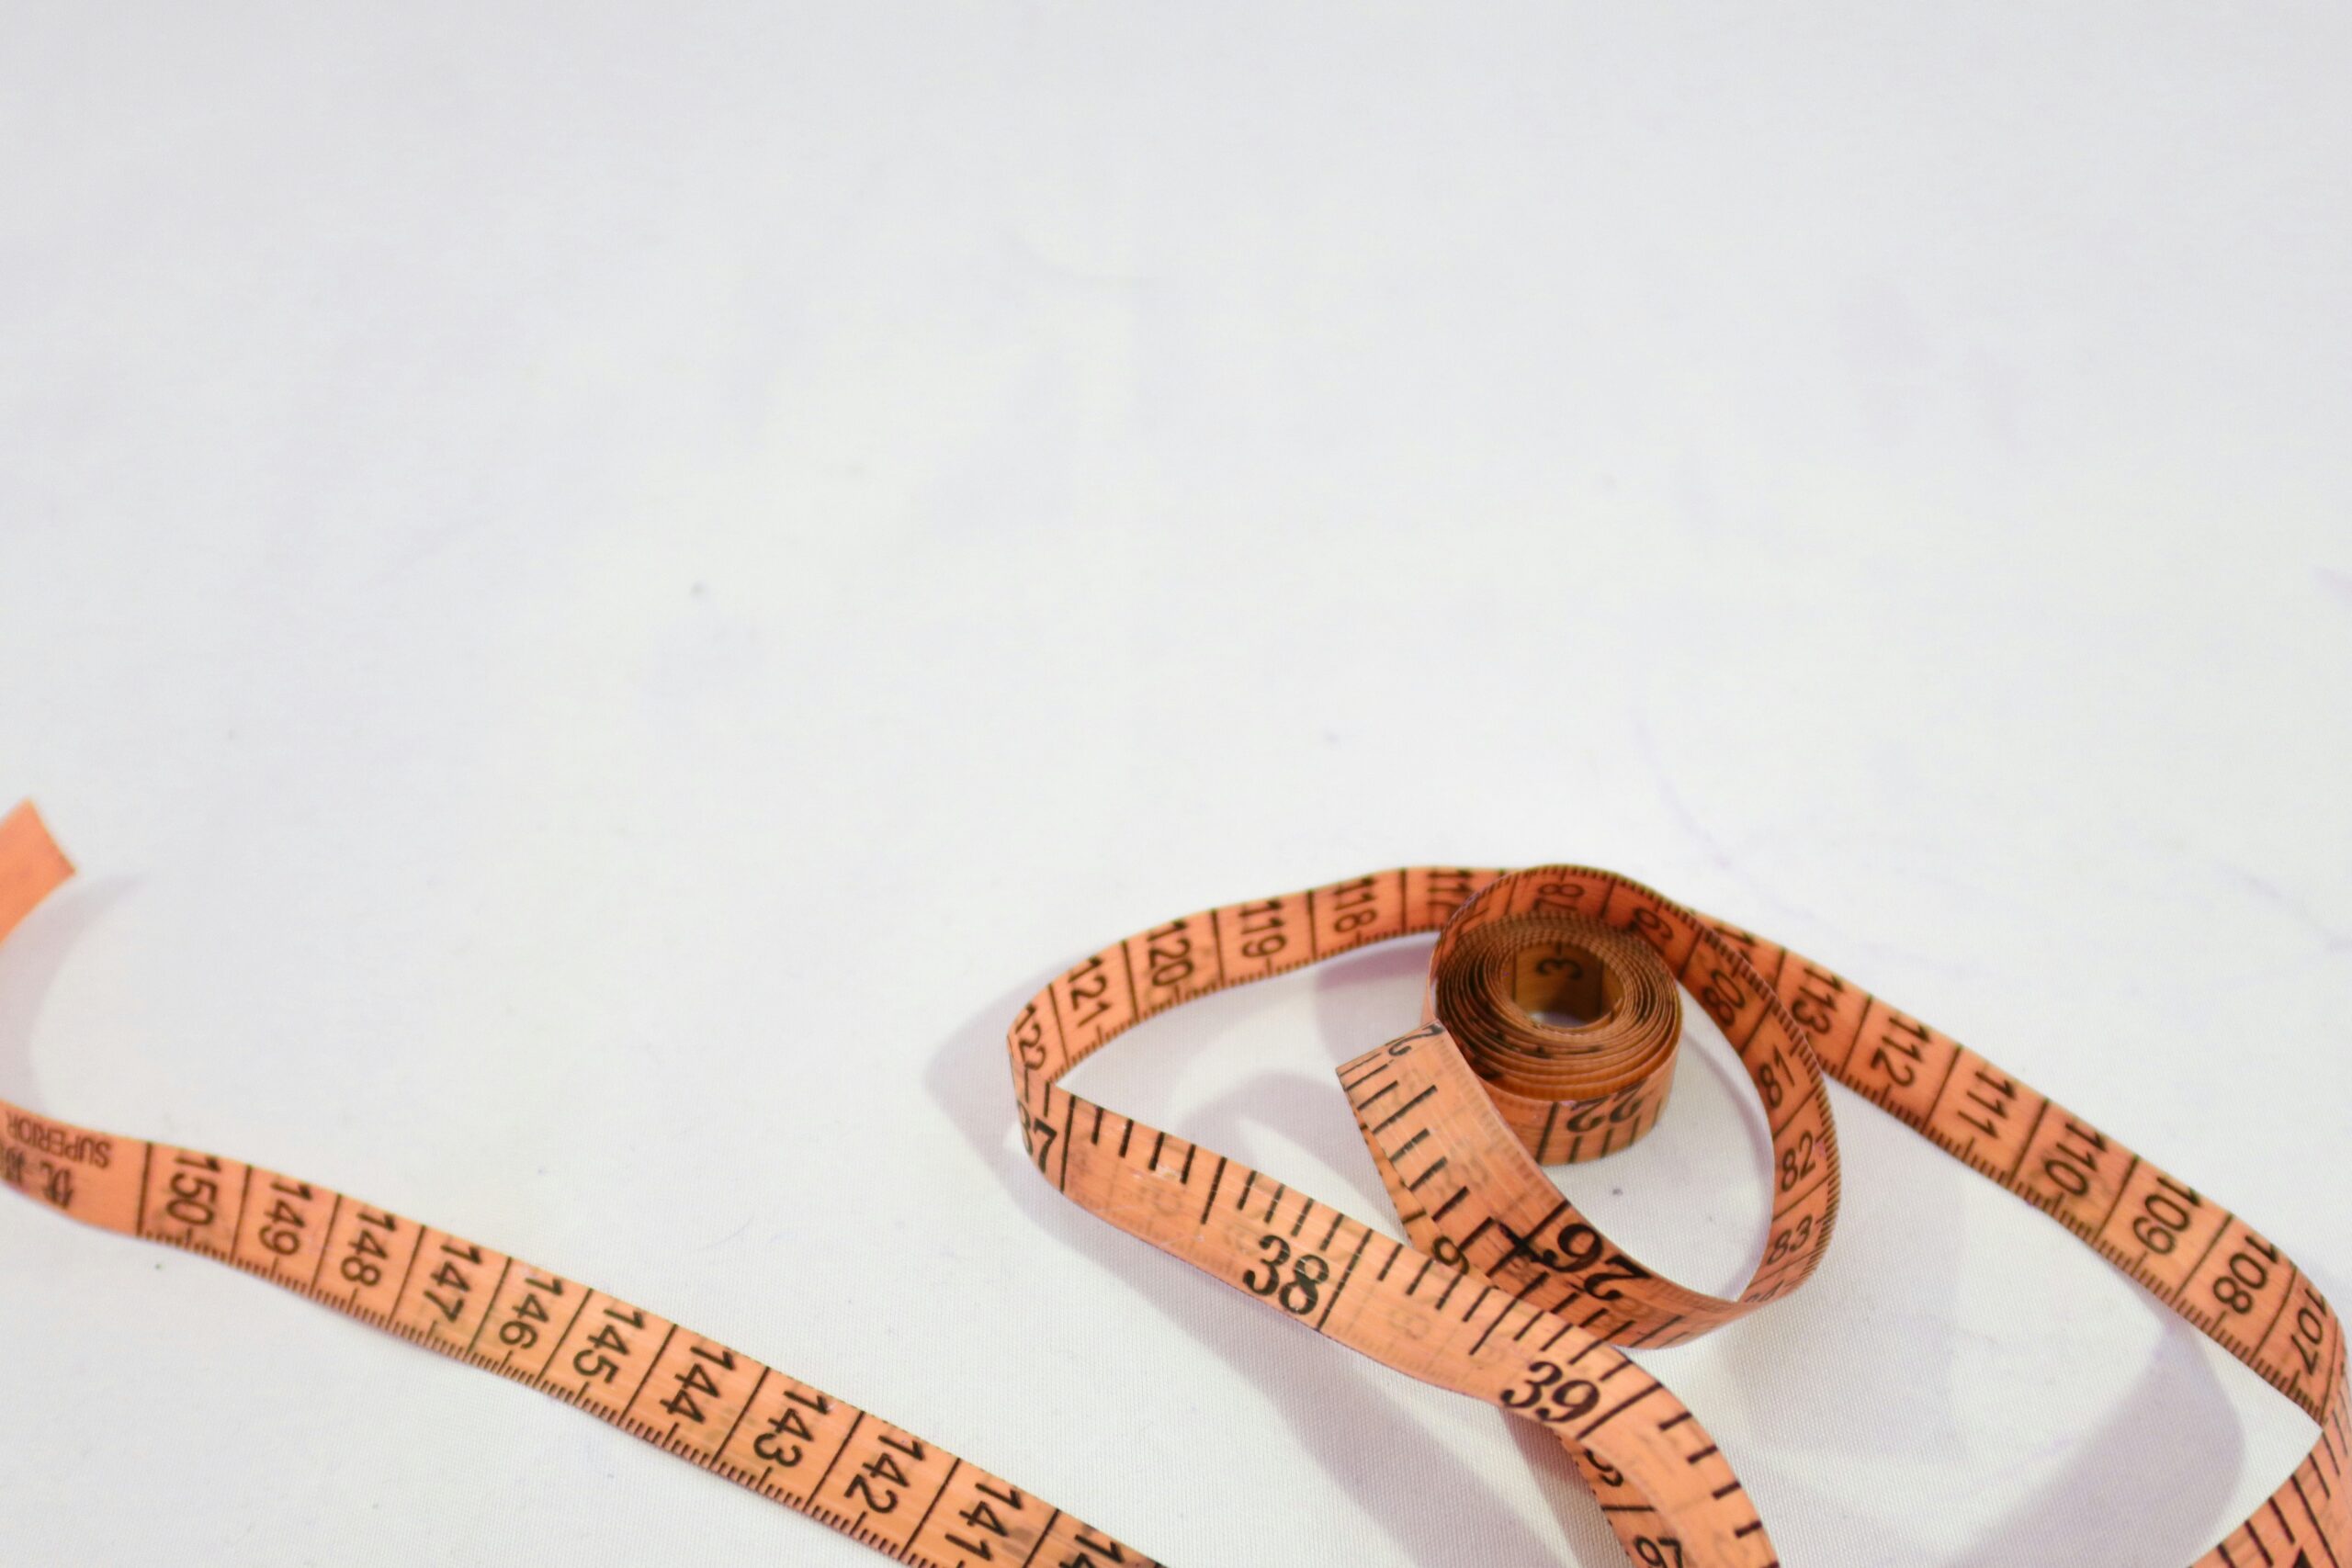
1504	1291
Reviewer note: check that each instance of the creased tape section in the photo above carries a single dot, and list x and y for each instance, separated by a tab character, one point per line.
1506	1292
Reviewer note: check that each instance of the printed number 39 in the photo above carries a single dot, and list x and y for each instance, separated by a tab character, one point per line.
1550	1394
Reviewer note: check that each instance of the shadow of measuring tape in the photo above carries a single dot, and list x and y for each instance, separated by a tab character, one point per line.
2166	1458
1418	1493
31	961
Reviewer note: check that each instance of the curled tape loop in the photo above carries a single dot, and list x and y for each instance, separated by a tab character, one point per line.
1503	1291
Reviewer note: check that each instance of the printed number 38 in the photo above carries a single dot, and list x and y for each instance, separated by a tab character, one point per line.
1309	1274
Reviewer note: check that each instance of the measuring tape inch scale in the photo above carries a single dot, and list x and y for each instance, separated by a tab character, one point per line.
689	1395
1505	1292
1510	1294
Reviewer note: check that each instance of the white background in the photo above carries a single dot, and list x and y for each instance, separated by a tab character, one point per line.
602	590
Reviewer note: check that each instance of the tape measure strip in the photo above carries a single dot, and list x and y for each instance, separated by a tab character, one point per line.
1506	1293
689	1395
1458	1150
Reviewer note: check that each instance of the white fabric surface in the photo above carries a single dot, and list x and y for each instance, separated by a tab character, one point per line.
601	591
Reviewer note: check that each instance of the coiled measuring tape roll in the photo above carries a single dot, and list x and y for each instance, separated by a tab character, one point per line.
1504	1291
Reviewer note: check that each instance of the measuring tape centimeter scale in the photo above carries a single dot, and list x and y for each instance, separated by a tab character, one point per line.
1505	1292
687	1395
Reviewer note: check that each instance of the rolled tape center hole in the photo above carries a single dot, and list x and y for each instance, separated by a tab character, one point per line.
1560	984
